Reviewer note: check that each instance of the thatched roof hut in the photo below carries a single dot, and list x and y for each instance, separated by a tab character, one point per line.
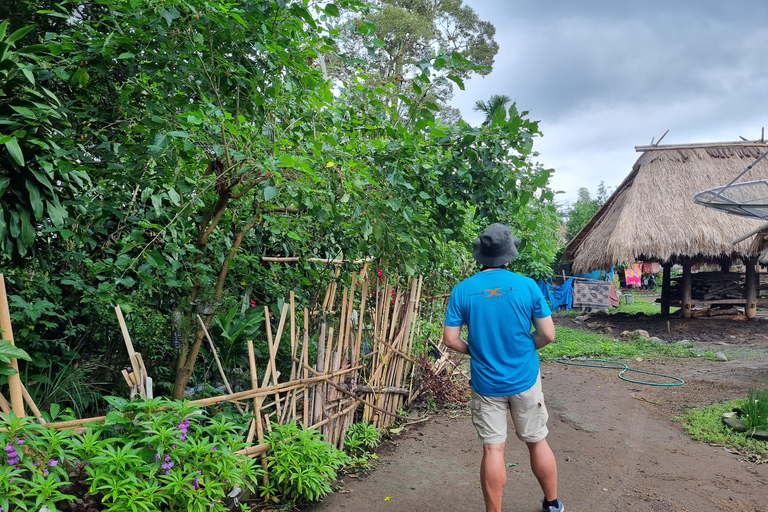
651	216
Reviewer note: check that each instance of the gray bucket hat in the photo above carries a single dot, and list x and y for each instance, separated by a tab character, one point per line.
495	246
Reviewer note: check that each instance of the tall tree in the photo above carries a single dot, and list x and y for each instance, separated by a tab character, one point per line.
583	209
408	33
494	108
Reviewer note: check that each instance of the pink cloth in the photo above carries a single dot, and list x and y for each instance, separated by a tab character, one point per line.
633	275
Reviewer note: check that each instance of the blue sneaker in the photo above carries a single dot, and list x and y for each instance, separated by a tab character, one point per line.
552	508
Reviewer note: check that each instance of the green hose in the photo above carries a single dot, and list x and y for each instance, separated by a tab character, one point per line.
624	368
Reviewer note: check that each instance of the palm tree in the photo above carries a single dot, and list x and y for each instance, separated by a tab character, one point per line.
495	109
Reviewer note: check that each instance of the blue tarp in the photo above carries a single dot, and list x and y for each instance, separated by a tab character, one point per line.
597	274
558	295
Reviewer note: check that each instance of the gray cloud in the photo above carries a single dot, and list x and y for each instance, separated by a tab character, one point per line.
605	76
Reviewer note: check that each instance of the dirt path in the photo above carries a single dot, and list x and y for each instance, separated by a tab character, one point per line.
616	447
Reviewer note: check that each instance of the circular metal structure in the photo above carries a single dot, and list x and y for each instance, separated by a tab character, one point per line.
748	198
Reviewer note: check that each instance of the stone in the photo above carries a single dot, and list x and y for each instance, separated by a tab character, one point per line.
640	333
582	318
625	334
594	325
654	338
721	356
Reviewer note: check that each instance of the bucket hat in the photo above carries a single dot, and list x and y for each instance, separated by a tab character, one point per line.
495	246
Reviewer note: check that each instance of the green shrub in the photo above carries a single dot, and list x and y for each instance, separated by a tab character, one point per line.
148	455
360	438
300	464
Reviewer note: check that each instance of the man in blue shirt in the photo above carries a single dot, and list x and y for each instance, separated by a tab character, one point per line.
499	308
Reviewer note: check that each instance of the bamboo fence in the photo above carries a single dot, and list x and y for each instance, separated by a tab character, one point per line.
363	364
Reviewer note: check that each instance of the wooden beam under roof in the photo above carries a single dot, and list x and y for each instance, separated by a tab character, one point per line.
641	149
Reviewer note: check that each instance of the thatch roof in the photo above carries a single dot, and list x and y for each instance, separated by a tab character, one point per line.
651	216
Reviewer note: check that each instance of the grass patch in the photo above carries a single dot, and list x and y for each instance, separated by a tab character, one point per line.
577	343
705	425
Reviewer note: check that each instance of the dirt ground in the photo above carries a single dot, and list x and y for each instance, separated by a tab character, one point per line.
616	445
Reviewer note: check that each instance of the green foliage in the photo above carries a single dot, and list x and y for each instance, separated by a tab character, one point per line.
577	343
186	141
706	425
754	410
407	33
360	438
148	455
300	464
7	351
35	179
580	212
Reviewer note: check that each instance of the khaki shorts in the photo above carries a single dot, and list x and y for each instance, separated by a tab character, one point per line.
529	415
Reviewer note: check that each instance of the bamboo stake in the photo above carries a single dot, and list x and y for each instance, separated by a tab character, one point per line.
31	405
304	360
14	381
218	362
360	323
342	327
349	393
4	405
347	319
129	347
257	401
317	406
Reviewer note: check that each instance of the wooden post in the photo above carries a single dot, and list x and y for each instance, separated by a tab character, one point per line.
666	288
685	291
750	287
14	381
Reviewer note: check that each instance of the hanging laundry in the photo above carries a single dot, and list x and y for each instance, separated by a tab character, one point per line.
558	295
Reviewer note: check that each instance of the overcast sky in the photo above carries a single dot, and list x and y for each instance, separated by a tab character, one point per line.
604	76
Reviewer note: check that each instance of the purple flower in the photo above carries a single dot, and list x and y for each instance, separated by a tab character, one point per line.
19	442
53	462
11	454
168	464
157	456
45	472
213	449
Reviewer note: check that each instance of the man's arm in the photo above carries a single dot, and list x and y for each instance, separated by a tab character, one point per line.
544	332
452	339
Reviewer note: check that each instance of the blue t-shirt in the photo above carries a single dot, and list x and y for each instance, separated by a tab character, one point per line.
498	307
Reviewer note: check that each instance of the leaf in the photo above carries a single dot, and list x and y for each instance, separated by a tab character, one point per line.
180	134
4	184
332	10
458	81
15	151
8	350
126	55
27	230
19	34
82	77
270	193
34	199
56	213
294	235
423	195
25	112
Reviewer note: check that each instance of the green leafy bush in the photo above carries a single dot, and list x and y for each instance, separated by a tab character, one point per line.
148	455
360	438
300	464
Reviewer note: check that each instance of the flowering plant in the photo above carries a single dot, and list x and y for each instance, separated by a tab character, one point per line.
148	455
31	473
